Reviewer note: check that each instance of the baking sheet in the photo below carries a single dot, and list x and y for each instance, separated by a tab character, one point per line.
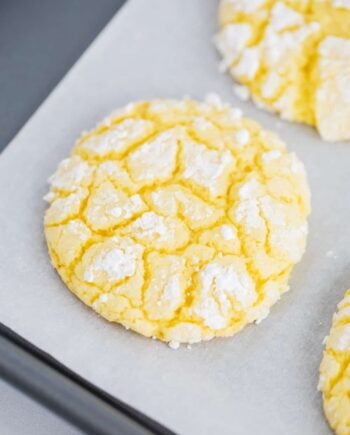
264	379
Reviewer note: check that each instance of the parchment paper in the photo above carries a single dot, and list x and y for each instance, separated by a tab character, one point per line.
264	379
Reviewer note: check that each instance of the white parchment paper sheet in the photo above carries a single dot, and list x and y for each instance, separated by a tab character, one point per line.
264	379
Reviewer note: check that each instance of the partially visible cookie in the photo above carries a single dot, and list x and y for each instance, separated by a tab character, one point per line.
335	370
292	57
181	220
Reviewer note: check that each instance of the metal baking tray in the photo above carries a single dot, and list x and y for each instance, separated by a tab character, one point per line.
64	392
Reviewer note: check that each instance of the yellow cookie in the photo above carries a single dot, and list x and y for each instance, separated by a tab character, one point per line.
178	219
292	57
335	370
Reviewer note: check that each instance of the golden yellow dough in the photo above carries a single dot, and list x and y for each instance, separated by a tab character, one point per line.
335	370
178	219
292	57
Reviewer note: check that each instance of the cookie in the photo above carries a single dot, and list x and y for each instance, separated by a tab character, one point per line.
291	57
181	220
335	370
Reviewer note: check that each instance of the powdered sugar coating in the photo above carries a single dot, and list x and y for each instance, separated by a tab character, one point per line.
184	234
292	57
335	370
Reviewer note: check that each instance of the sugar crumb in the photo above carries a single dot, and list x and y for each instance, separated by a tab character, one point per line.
174	344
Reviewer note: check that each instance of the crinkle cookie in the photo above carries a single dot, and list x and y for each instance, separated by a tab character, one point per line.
335	370
181	220
292	57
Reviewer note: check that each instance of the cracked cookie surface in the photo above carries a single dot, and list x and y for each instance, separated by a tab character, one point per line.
181	220
335	370
292	57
